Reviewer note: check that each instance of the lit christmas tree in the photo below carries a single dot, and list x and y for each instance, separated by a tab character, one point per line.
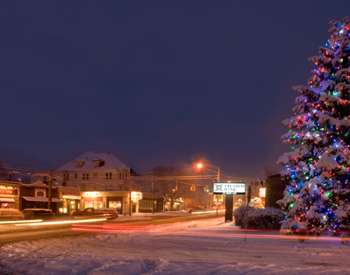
317	198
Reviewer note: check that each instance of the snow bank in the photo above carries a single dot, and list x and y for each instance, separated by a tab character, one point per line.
201	247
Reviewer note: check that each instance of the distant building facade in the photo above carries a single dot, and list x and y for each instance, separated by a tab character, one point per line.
37	195
93	170
169	188
104	182
9	194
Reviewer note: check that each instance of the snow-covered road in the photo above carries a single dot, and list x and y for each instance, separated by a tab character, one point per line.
198	247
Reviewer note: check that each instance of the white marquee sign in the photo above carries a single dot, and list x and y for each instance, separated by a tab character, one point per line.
229	188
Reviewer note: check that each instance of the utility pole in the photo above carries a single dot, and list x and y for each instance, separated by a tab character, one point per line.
153	201
49	204
130	204
218	177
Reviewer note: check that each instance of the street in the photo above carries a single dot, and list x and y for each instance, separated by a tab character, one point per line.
28	231
175	245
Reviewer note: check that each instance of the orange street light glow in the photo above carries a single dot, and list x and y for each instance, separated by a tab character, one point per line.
199	165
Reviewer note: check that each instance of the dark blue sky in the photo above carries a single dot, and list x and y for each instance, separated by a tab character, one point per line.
155	82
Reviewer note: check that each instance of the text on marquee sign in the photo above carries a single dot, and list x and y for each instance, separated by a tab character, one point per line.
229	188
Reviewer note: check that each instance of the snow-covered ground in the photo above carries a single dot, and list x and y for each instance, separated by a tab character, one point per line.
197	247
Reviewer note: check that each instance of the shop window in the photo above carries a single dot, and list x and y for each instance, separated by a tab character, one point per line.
115	204
193	188
146	205
95	203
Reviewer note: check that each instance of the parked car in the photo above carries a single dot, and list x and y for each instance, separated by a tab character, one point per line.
109	213
30	213
10	213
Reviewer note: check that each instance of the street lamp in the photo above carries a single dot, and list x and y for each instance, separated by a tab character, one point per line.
200	166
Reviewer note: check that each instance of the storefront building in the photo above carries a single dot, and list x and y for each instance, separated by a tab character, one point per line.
70	197
125	202
36	195
151	203
9	194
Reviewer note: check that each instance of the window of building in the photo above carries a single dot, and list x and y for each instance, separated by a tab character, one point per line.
40	193
123	175
108	176
76	175
193	188
98	163
66	176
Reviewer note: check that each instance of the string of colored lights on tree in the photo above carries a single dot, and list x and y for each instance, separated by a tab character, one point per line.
317	169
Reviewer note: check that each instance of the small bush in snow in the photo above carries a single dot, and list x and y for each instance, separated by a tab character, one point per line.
258	218
240	213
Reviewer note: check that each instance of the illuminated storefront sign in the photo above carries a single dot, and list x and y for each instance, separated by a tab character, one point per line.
91	194
229	188
136	196
262	192
7	190
8	195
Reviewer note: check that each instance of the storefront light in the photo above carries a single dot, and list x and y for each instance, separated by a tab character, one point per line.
262	192
136	196
63	210
91	194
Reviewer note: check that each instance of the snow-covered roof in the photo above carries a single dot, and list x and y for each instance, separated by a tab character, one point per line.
93	161
37	183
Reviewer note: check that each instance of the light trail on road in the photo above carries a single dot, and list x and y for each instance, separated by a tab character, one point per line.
20	221
111	228
63	222
229	233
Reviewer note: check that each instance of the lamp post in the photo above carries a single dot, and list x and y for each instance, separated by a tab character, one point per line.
200	166
49	200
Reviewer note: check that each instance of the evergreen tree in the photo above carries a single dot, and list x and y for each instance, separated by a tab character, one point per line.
317	168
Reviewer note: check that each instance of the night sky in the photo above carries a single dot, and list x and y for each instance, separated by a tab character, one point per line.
155	82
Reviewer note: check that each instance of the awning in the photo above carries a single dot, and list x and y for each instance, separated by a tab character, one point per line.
7	200
40	199
71	197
